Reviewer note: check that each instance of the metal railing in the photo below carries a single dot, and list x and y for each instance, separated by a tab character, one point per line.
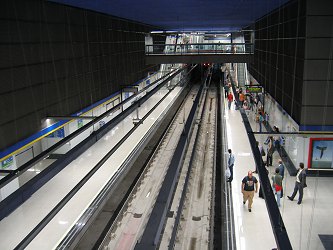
199	48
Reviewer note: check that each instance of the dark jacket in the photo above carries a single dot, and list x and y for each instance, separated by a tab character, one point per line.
302	177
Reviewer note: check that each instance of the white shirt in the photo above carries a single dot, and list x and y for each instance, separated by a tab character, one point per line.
231	160
297	176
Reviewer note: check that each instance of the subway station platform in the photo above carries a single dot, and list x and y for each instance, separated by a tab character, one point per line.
306	224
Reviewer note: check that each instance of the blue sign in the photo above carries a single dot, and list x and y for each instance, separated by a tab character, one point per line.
148	82
7	163
60	133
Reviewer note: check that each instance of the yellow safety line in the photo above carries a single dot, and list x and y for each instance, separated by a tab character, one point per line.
43	136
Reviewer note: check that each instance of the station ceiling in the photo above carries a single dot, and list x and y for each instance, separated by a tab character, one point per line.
184	15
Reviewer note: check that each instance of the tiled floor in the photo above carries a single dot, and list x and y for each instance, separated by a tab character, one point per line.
250	227
303	222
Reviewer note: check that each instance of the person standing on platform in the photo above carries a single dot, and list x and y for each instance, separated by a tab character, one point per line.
277	186
231	162
281	168
230	99
249	186
262	153
226	89
261	120
241	98
270	151
281	172
251	102
266	118
261	194
300	184
277	139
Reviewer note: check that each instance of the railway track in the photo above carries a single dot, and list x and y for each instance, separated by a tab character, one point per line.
184	192
194	194
127	228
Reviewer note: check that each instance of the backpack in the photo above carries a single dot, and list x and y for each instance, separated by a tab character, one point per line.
261	119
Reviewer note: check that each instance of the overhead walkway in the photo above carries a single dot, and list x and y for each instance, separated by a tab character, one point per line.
199	53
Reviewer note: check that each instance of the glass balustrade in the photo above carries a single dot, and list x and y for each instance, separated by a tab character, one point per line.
200	48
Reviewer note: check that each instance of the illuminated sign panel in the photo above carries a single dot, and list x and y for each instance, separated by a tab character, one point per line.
253	89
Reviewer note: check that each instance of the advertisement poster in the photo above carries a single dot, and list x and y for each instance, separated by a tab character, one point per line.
321	153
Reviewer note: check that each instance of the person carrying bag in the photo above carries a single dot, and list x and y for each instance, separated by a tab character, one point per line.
277	185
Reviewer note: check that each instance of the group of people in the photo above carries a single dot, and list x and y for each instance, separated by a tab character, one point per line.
300	183
247	102
273	143
277	179
249	184
228	93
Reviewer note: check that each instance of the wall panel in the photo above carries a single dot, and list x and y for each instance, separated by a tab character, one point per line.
56	60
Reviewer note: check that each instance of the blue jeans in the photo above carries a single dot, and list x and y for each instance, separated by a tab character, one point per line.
229	104
278	197
231	167
298	187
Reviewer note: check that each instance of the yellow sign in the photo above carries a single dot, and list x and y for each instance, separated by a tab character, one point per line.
254	89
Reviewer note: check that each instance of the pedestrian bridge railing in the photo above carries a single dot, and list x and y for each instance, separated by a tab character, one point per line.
200	49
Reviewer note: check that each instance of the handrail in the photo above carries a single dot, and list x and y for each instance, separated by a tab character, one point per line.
19	171
182	44
279	230
228	237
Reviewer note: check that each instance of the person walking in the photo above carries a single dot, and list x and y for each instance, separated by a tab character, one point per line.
230	99
300	184
249	186
231	162
277	185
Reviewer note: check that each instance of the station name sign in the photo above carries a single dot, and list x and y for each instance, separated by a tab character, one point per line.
253	89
